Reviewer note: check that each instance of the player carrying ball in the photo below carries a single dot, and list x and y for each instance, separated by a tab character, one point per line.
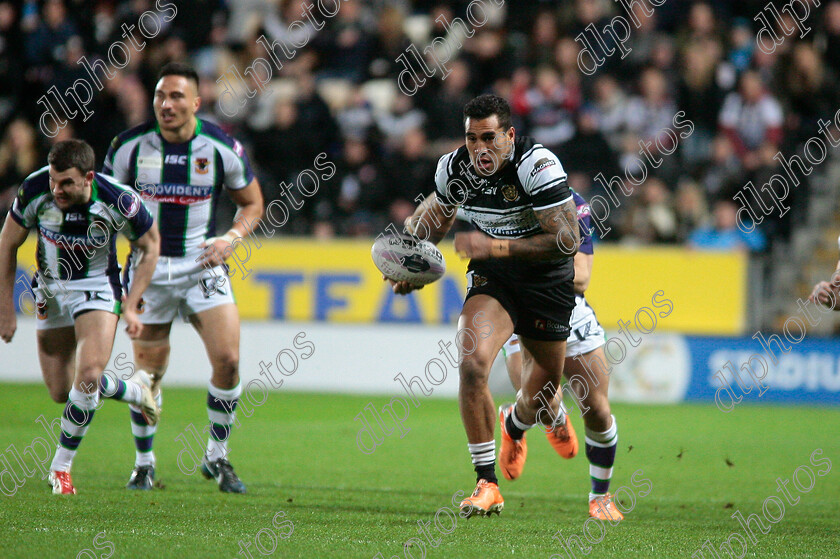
520	276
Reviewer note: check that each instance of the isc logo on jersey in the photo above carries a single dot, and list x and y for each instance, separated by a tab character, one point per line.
175	160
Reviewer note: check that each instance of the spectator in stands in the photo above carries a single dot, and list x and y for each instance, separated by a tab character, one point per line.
357	191
650	217
812	92
356	119
388	44
723	169
699	95
406	175
723	233
650	116
751	119
550	109
403	118
19	157
347	53
44	45
587	150
611	106
11	68
445	124
541	41
830	36
690	208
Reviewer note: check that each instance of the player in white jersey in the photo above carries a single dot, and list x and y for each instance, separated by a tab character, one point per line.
587	375
180	164
520	278
77	290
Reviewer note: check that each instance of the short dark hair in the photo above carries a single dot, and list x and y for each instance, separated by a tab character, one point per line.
487	105
72	153
179	69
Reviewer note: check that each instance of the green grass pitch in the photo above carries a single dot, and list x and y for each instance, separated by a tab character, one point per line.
297	454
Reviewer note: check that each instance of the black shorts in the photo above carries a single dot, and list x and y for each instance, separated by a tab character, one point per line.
539	299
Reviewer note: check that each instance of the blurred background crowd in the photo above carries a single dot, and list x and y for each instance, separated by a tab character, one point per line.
338	95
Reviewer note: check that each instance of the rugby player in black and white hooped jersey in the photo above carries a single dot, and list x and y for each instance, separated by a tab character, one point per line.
520	278
585	368
78	295
180	164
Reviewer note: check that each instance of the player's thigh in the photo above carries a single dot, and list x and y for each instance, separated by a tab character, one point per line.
219	330
483	327
95	331
542	366
57	355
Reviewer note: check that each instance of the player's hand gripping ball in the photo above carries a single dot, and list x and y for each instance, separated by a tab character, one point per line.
409	259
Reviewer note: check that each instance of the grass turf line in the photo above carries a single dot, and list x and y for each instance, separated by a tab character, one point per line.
297	454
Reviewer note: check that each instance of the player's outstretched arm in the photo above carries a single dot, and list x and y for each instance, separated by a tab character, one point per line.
431	220
11	238
149	247
560	236
249	212
583	271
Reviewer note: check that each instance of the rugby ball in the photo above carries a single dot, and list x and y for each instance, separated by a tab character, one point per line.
407	258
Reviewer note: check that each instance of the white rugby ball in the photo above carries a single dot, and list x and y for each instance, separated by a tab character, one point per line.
407	258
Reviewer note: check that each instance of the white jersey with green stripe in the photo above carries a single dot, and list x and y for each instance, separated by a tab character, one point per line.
180	183
77	246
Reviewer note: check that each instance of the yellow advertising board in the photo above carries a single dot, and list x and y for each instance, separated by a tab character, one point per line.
336	281
708	290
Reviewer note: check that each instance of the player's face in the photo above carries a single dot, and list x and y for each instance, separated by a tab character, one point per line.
488	144
176	102
70	187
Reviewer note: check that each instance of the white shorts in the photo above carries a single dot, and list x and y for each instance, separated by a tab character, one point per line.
586	332
57	308
182	286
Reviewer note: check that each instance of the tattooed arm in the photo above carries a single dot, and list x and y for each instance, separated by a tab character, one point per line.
560	236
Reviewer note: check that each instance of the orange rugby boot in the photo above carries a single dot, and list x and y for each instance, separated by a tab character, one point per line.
485	500
563	438
513	453
62	483
603	508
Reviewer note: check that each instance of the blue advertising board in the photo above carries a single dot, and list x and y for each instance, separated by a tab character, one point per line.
769	369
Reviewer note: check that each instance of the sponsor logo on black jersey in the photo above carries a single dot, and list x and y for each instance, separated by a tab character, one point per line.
543	163
550	326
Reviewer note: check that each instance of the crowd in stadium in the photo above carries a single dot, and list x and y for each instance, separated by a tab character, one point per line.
745	105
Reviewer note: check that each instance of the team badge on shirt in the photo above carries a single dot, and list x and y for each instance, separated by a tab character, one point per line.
202	165
510	193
